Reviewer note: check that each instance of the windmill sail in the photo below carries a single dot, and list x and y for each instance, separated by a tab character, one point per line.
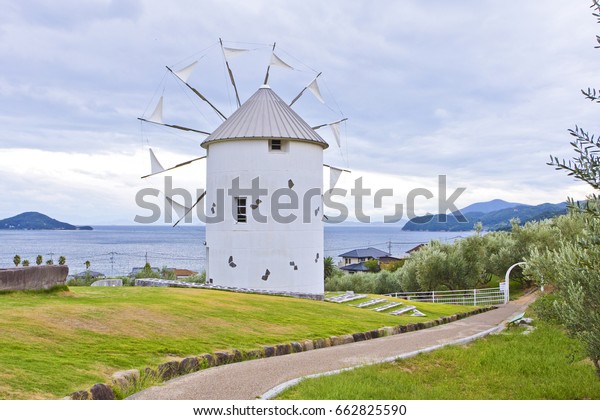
155	165
184	73
157	115
178	127
182	209
335	128
304	90
230	52
269	66
278	62
198	94
334	175
154	162
314	89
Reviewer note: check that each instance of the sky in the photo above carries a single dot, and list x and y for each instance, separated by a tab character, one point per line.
481	92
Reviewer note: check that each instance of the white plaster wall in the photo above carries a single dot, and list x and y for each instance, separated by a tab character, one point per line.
274	246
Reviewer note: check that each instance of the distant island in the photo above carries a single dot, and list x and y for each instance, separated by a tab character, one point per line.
37	221
493	215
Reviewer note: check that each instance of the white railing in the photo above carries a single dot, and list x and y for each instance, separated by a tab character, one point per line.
473	297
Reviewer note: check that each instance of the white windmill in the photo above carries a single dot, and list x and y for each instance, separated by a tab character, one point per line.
264	189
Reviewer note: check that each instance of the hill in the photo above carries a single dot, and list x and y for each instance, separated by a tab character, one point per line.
489	206
493	220
37	221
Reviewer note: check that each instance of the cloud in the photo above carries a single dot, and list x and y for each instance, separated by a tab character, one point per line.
482	95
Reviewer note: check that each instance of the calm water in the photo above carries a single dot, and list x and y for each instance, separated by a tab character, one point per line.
115	250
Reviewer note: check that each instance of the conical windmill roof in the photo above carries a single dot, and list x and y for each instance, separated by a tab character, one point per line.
264	116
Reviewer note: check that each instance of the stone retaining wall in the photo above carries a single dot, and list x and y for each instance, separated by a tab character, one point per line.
36	277
129	379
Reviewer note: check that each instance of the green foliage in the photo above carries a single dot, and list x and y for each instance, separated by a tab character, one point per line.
380	283
17	260
148	273
577	264
372	265
329	268
87	264
198	278
25	263
62	260
440	266
86	280
392	266
50	262
543	365
545	308
167	274
574	271
38	260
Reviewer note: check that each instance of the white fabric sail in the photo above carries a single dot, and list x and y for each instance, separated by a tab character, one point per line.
232	52
184	73
276	61
155	165
334	175
157	115
314	89
335	127
179	209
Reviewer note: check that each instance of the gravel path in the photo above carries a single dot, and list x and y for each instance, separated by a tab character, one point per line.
252	379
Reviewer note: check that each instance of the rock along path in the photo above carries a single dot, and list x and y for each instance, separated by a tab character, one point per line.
256	378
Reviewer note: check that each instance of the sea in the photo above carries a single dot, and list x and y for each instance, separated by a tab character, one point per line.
116	250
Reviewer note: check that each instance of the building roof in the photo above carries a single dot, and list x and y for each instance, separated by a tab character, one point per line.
415	249
90	273
136	270
264	116
184	272
355	267
387	260
365	253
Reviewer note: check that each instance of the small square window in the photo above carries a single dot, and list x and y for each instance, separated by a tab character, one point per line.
275	144
240	207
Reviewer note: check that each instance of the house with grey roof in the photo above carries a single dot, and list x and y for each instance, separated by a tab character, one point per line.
353	261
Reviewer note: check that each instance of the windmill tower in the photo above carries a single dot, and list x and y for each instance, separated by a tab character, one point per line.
263	197
264	178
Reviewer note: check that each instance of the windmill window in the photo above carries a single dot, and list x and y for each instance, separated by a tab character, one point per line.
278	145
240	209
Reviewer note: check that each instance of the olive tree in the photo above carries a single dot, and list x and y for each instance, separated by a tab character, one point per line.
578	263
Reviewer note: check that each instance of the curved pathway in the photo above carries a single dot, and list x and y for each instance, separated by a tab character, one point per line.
255	378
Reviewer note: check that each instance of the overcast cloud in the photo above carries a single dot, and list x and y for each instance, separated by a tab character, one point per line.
482	92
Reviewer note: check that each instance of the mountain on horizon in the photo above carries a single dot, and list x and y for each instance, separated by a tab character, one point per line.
489	206
33	220
492	220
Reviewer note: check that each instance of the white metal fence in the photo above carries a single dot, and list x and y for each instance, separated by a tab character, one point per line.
474	297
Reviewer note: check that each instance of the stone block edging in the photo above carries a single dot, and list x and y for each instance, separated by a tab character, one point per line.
128	379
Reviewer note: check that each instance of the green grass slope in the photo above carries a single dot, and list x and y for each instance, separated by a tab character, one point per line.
545	364
53	344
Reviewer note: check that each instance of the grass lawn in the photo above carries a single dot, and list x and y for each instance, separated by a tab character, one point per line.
52	344
545	364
